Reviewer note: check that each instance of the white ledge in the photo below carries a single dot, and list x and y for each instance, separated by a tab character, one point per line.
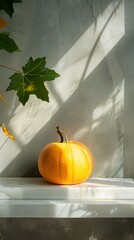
97	197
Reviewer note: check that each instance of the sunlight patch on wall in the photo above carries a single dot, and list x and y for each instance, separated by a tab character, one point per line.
81	132
90	49
29	120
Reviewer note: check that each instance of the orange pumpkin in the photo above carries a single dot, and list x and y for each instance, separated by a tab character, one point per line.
65	162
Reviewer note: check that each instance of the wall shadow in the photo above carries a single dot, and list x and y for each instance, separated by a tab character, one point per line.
95	91
96	132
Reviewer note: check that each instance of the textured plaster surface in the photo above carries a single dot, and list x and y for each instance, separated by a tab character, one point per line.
88	43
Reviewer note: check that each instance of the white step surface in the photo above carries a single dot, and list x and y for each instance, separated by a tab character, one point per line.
97	197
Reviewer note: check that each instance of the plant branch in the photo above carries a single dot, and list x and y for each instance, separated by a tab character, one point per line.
13	69
4	143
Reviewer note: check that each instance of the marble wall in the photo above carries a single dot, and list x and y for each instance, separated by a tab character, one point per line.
90	44
68	229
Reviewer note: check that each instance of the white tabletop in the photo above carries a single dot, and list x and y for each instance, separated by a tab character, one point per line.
97	197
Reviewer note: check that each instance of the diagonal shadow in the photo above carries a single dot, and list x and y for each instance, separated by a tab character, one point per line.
24	161
82	102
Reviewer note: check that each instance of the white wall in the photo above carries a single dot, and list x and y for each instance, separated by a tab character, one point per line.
84	42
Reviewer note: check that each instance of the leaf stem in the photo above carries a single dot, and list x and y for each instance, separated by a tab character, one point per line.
13	69
2	98
4	143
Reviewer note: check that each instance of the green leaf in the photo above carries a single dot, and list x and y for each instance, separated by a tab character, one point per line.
8	43
31	80
7	6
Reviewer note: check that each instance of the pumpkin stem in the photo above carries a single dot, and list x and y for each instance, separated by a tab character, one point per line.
63	136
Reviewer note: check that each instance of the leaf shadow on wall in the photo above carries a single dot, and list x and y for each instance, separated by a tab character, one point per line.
69	18
83	96
97	91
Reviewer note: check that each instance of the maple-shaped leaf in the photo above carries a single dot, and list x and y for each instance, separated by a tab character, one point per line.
7	6
31	80
8	43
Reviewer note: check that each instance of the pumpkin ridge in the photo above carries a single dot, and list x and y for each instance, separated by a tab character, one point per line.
87	160
72	162
59	168
81	145
90	154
